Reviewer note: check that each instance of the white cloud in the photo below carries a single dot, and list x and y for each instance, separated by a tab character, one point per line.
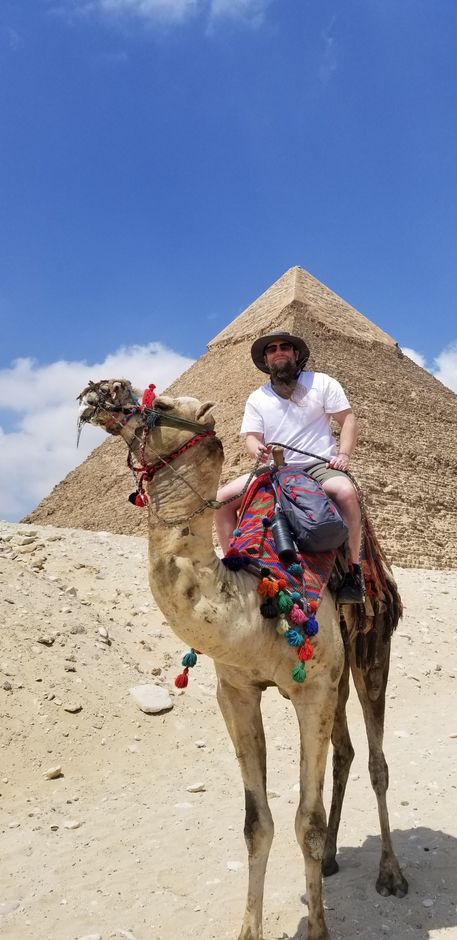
151	9
446	367
41	448
417	357
167	11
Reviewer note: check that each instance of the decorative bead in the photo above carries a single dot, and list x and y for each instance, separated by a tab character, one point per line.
296	596
236	533
266	522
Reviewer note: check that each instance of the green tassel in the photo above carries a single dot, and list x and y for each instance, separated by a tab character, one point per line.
299	672
285	602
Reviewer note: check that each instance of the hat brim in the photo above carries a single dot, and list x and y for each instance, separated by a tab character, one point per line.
258	349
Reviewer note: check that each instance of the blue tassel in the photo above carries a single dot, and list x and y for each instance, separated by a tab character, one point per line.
189	659
295	569
235	562
294	638
236	533
311	626
296	596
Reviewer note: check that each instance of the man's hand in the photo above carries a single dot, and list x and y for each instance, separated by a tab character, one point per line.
340	462
262	452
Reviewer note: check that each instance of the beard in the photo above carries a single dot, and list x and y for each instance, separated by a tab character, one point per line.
284	374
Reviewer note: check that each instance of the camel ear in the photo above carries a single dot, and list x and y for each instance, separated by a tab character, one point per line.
203	411
164	402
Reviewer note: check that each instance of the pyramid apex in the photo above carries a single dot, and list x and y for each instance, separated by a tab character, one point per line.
300	294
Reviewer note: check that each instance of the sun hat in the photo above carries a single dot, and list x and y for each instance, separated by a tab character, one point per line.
259	346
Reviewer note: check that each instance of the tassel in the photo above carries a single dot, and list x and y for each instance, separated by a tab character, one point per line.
294	638
182	681
264	572
236	533
299	672
311	626
296	615
296	596
269	609
306	651
285	603
282	627
295	569
189	659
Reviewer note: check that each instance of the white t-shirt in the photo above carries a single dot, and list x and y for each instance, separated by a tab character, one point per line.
304	422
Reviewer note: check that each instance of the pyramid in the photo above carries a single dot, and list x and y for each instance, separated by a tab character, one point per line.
406	456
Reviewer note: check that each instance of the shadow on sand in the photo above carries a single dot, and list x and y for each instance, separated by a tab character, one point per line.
354	909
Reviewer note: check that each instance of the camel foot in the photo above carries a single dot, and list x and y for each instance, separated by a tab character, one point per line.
392	882
329	867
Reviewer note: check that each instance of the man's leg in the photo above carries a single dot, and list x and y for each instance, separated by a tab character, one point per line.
225	518
344	494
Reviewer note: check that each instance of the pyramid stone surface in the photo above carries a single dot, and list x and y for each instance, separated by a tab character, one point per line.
406	457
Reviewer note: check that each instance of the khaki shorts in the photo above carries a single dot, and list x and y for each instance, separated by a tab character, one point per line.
320	472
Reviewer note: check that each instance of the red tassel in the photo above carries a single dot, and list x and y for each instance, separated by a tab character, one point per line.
148	397
141	499
181	681
312	606
306	651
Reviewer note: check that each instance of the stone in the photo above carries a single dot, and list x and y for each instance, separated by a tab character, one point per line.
8	907
7	686
73	708
151	699
91	936
72	824
196	788
53	773
46	640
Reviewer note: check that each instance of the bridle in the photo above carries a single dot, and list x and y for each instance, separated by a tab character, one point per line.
143	472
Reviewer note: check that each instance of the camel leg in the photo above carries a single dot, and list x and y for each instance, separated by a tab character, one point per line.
241	711
371	689
343	755
315	719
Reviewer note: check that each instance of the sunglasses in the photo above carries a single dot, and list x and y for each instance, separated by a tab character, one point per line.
284	347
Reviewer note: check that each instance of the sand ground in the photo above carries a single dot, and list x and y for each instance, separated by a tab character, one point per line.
118	846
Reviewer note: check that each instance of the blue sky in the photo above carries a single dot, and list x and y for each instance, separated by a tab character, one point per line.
164	161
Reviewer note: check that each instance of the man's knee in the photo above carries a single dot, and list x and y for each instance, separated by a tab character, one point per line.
232	489
342	491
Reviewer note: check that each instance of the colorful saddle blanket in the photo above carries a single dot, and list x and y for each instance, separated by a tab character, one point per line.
253	546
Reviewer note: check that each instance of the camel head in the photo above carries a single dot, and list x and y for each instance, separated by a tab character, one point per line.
114	403
107	403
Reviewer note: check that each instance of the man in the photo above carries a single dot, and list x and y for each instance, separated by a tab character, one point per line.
295	408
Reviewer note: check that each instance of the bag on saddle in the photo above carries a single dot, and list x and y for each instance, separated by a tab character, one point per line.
313	518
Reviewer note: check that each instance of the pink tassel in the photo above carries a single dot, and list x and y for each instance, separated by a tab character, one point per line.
297	615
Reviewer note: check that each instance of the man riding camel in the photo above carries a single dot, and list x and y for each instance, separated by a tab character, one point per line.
295	407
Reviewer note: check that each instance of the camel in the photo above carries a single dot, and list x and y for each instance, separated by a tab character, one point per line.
216	611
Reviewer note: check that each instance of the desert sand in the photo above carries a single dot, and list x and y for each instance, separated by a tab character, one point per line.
141	834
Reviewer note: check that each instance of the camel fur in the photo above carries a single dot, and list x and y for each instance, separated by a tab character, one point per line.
216	611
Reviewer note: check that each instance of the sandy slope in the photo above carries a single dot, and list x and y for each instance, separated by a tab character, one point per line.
150	859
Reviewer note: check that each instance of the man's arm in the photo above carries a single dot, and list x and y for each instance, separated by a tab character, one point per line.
256	447
348	438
